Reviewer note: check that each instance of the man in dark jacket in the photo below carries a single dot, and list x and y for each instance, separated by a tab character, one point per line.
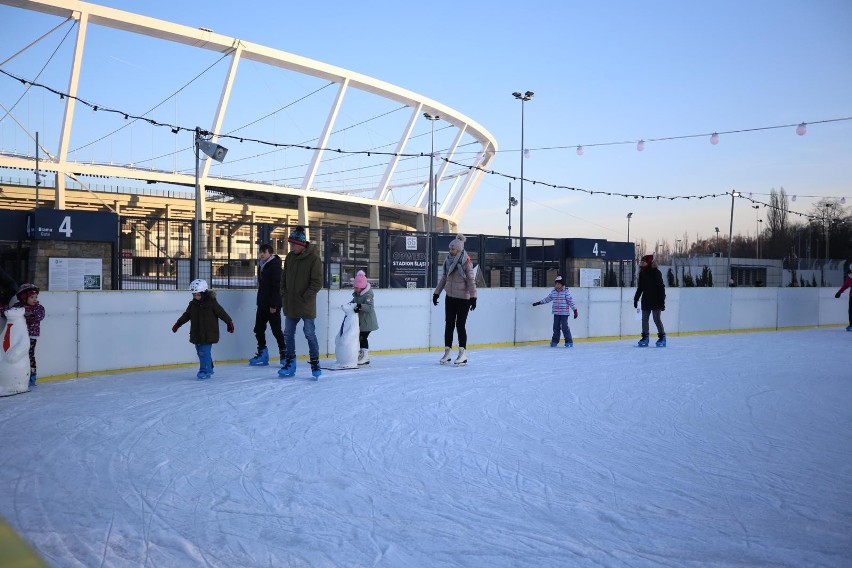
651	289
268	305
301	281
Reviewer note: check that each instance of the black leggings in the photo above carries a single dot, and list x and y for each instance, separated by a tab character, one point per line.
261	318
455	313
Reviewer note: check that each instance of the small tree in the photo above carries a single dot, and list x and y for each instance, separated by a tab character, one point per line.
688	281
670	277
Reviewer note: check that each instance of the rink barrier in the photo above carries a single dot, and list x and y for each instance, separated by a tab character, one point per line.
85	333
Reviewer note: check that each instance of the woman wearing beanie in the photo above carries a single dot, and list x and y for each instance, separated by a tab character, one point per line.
459	284
653	293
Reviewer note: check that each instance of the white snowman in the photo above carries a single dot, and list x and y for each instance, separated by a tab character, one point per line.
14	354
346	342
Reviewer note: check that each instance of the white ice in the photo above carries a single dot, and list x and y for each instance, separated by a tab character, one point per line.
719	450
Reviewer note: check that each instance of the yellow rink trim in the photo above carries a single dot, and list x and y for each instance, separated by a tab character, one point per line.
437	349
14	552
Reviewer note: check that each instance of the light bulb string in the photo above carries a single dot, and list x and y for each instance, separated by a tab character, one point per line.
207	134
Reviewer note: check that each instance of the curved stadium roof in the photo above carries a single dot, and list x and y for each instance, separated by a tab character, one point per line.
117	98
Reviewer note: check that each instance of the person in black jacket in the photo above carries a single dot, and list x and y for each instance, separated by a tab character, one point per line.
268	305
653	293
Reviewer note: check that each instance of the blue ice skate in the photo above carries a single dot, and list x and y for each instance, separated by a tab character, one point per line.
569	344
661	342
261	358
644	341
849	328
316	372
202	375
32	379
554	343
289	368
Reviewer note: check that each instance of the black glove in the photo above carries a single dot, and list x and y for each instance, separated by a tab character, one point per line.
357	308
576	313
435	299
174	328
230	327
635	304
837	295
662	309
536	303
472	304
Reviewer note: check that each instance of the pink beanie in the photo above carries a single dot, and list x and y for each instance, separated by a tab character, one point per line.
360	280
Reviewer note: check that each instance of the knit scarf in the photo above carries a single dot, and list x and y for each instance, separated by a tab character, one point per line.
452	262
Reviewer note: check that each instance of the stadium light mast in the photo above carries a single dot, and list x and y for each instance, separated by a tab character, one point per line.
523	98
430	209
216	152
734	194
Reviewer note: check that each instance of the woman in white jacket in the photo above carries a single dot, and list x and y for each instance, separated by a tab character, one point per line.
460	286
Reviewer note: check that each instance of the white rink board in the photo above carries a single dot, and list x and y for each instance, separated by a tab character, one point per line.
94	331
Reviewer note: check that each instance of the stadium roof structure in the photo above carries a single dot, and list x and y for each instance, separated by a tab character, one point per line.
116	99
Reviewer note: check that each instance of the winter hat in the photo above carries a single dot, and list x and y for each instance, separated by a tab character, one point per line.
360	280
25	291
648	259
558	280
297	237
458	242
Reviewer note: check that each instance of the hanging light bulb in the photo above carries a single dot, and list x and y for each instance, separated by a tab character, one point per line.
580	151
640	146
714	138
793	198
527	153
802	129
843	201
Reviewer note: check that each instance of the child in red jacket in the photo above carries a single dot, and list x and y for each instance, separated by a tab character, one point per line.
27	296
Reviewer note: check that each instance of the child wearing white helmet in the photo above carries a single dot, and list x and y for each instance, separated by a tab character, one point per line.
203	314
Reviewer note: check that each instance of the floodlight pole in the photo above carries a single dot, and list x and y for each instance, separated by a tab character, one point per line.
734	194
528	95
430	209
217	153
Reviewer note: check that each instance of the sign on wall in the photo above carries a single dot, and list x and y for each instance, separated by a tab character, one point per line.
590	277
75	274
67	225
408	262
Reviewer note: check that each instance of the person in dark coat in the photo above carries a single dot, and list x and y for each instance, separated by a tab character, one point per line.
203	314
268	305
652	291
301	281
847	283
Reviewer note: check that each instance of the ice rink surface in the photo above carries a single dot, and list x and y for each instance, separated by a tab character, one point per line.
719	450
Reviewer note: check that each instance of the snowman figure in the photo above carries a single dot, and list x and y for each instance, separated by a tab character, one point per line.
346	342
14	354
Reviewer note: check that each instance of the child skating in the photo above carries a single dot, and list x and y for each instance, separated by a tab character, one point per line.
362	297
563	304
203	314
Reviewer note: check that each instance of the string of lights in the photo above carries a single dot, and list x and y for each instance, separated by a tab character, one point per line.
801	130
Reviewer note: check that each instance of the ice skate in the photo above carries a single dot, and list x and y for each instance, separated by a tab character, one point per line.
364	357
260	359
289	368
447	356
316	372
661	342
644	341
569	344
461	359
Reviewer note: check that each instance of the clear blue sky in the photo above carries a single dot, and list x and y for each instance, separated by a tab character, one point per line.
602	72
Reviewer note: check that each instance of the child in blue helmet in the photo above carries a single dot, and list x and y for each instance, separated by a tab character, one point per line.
203	314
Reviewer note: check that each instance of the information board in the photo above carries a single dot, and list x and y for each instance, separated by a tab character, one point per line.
75	274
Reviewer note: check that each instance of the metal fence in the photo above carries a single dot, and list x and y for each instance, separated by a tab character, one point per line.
156	253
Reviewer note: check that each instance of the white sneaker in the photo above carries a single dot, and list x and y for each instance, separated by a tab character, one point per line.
447	356
364	357
462	357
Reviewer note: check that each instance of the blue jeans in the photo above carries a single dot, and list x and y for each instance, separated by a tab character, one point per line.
310	334
205	357
561	323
